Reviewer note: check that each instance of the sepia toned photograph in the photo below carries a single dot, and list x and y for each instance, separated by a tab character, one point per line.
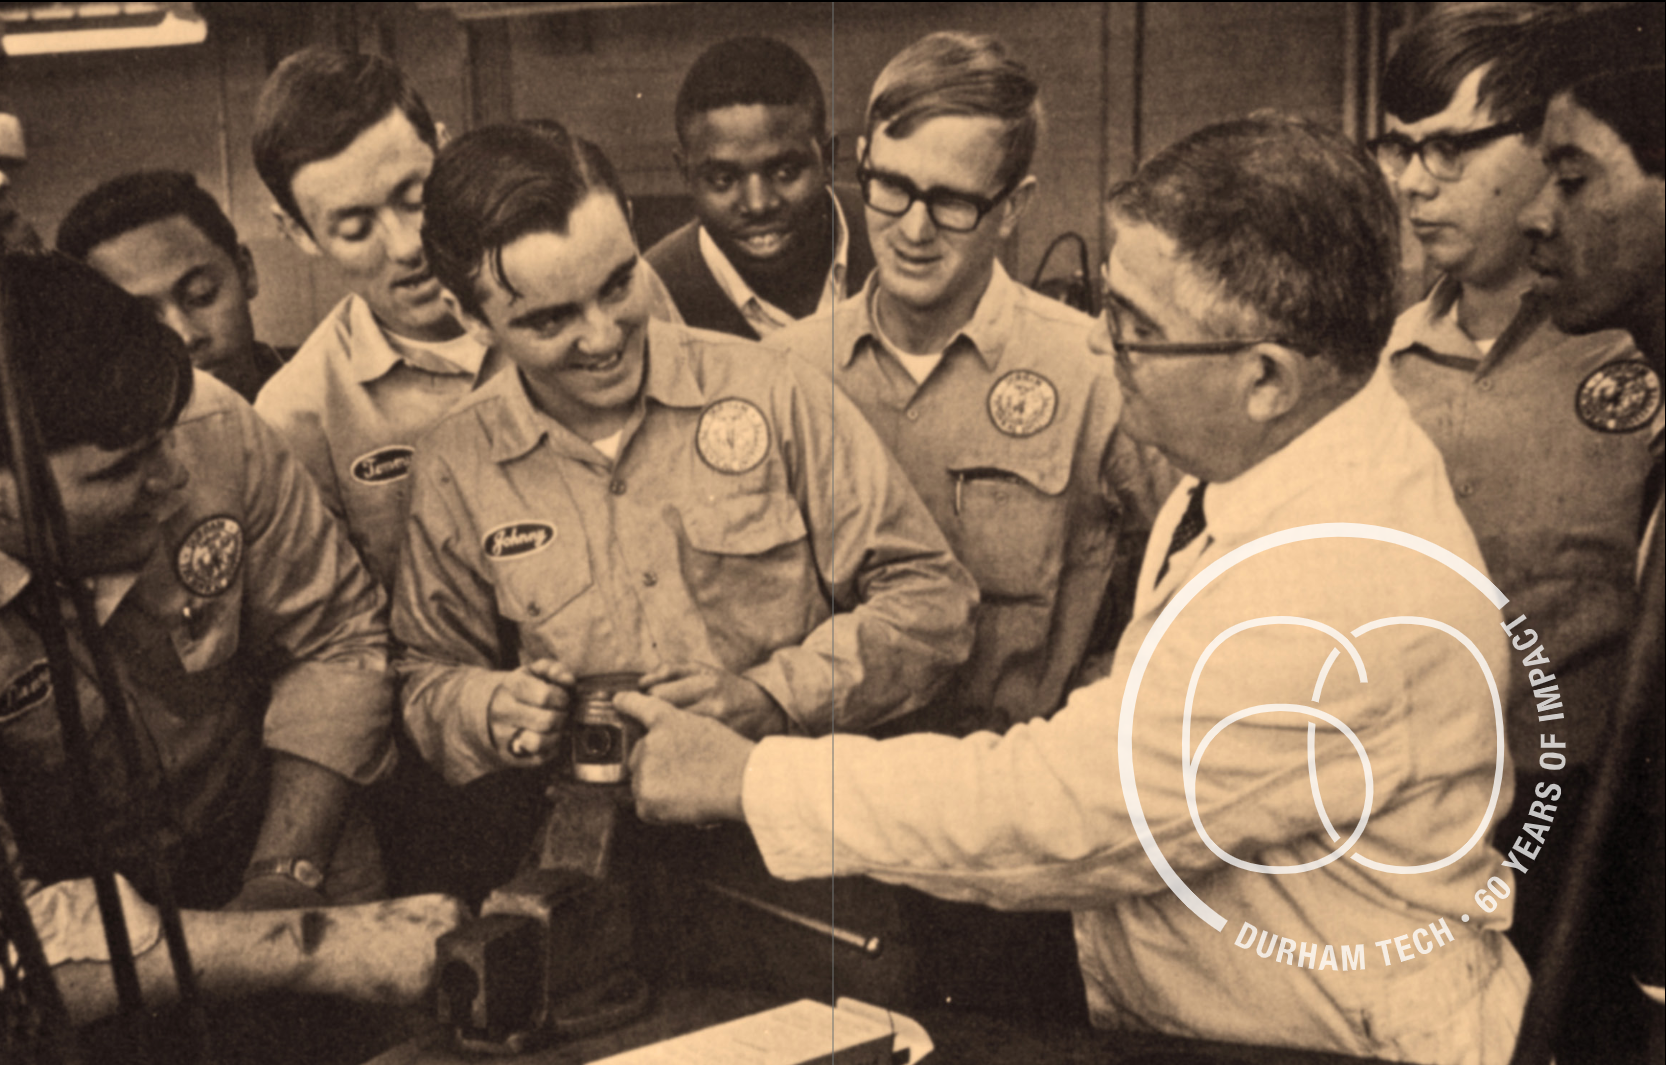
864	533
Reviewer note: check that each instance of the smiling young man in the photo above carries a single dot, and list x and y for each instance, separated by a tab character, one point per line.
985	392
159	236
250	646
1488	373
773	241
344	145
640	497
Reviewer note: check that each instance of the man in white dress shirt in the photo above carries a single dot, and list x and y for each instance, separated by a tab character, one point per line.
1250	288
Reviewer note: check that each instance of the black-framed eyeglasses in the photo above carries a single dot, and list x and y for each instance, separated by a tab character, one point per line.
1124	348
1442	153
951	210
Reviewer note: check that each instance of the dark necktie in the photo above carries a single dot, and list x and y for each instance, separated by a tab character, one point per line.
1189	529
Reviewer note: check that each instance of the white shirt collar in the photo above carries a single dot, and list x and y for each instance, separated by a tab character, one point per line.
762	315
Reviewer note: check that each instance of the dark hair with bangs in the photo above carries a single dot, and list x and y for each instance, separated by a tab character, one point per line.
1609	61
956	73
1440	51
497	184
1291	221
125	203
749	70
96	365
316	103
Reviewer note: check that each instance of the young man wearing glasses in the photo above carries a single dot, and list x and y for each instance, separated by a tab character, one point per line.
985	392
1248	355
1548	463
1006	424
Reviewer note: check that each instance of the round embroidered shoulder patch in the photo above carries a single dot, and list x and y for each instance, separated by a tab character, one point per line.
733	436
1023	403
210	555
1619	397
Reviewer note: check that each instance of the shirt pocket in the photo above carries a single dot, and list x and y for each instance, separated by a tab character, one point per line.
1009	528
748	566
545	584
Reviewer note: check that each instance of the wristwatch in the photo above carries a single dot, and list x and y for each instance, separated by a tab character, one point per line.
299	870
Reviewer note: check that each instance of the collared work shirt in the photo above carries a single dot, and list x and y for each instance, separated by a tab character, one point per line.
353	407
762	315
1042	817
1011	442
710	540
253	624
1555	503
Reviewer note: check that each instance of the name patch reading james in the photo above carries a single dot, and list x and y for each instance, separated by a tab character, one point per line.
27	690
384	465
210	555
517	538
1023	403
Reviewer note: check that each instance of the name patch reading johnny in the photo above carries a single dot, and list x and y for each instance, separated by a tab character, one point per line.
27	690
517	538
210	555
733	436
384	465
1619	397
1023	403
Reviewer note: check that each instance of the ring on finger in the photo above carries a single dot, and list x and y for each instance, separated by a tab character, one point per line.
518	747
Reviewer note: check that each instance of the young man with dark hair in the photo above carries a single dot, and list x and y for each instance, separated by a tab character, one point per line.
1483	357
250	645
1245	352
635	496
773	241
159	236
344	145
1598	230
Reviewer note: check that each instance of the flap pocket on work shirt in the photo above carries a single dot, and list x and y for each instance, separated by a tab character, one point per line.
751	524
538	584
1009	531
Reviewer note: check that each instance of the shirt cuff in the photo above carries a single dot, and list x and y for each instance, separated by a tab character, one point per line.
454	732
787	797
772	677
340	718
71	928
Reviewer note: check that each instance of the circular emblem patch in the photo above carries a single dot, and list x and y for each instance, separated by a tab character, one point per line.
210	555
1619	397
733	436
1023	403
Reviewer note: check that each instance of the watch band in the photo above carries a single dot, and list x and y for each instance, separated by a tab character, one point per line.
300	870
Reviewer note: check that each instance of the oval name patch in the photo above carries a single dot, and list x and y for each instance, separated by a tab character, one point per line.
210	556
1619	397
27	690
384	465
517	538
1023	403
733	436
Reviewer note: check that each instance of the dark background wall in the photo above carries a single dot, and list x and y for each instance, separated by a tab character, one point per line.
1119	81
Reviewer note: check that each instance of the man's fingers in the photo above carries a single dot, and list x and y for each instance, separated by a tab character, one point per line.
684	691
551	671
668	672
651	712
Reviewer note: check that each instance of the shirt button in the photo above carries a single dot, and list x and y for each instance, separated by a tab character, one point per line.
913	415
650	578
1466	490
617	488
532	609
1484	384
